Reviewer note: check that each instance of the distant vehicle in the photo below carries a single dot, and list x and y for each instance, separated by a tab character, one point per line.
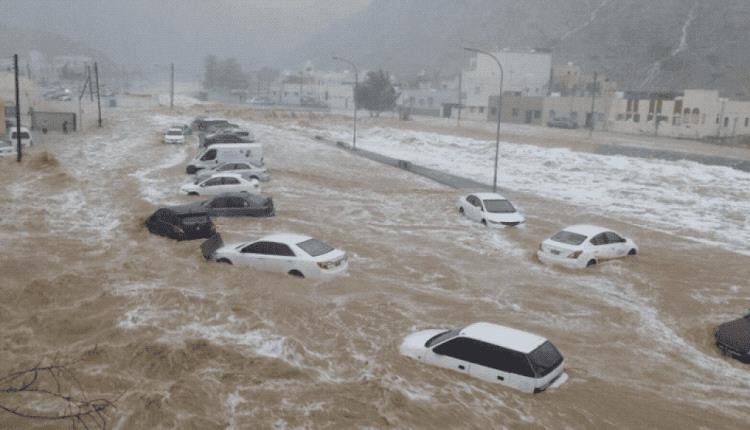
260	101
248	170
492	353
234	204
181	223
223	138
294	254
6	148
202	123
174	135
309	101
580	246
733	338
489	209
222	183
182	127
25	136
562	123
226	153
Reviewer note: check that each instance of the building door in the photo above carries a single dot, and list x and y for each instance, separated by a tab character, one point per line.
529	116
589	119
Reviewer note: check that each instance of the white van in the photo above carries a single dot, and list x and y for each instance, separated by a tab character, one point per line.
492	353
226	153
25	136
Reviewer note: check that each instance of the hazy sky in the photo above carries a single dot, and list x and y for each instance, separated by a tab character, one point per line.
257	32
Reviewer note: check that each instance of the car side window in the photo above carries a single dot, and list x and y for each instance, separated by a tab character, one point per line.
461	348
242	166
219	202
230	181
599	239
236	202
280	249
472	200
210	155
213	181
613	237
257	248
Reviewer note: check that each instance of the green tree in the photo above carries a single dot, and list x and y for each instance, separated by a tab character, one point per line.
376	94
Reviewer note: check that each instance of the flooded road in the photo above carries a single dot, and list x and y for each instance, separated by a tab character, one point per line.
197	345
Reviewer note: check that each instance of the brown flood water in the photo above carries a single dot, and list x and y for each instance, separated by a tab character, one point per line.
194	345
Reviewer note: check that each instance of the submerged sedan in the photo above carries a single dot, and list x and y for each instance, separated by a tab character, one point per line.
489	209
580	246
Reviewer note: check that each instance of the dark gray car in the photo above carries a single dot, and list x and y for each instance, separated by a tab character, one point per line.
235	204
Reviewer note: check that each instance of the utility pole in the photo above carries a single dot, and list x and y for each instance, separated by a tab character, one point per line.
593	101
91	88
18	110
458	120
98	98
354	97
80	96
171	87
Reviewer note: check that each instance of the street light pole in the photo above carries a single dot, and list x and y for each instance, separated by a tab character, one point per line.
354	98
499	109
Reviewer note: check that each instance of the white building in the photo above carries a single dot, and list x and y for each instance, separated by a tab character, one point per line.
525	73
694	114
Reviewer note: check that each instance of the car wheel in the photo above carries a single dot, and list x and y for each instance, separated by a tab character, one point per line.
461	210
591	262
224	260
632	252
296	274
484	222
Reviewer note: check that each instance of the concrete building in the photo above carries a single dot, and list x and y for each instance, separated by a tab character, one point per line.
526	73
517	109
426	101
693	114
578	109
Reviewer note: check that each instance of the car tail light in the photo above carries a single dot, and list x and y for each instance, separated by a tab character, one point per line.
575	254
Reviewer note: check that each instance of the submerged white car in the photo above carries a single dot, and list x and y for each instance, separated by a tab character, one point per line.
247	169
580	246
174	135
492	353
489	209
220	183
294	254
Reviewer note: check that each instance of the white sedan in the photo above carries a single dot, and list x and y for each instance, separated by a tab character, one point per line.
246	169
489	209
174	135
492	353
294	254
580	246
222	183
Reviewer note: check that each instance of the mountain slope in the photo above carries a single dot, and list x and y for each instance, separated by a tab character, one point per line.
644	44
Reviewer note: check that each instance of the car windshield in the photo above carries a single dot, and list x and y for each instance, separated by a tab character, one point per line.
545	359
499	206
314	247
440	338
569	238
174	133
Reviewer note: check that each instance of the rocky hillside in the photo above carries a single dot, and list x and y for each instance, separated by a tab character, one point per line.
644	44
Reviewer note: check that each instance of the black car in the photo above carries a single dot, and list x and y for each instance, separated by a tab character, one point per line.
234	204
202	124
181	223
562	123
733	338
223	138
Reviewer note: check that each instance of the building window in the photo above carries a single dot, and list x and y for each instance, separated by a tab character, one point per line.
726	121
620	117
696	116
637	117
551	114
515	113
481	109
537	114
747	121
717	119
574	116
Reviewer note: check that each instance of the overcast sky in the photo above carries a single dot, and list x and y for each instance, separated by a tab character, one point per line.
257	32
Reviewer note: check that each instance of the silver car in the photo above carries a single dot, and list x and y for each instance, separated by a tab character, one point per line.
246	169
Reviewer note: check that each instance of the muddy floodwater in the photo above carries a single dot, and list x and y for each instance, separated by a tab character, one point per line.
185	343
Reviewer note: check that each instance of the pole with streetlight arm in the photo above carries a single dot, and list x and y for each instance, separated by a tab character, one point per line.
354	98
499	109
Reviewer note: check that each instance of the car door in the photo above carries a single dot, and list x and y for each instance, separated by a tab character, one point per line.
501	365
602	248
255	255
473	211
219	206
236	206
211	186
616	245
453	354
280	258
231	185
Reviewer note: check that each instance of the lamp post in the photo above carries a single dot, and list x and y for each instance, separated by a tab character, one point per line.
499	109
354	98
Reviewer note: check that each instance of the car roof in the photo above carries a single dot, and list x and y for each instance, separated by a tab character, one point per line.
226	174
288	238
506	337
489	196
586	229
